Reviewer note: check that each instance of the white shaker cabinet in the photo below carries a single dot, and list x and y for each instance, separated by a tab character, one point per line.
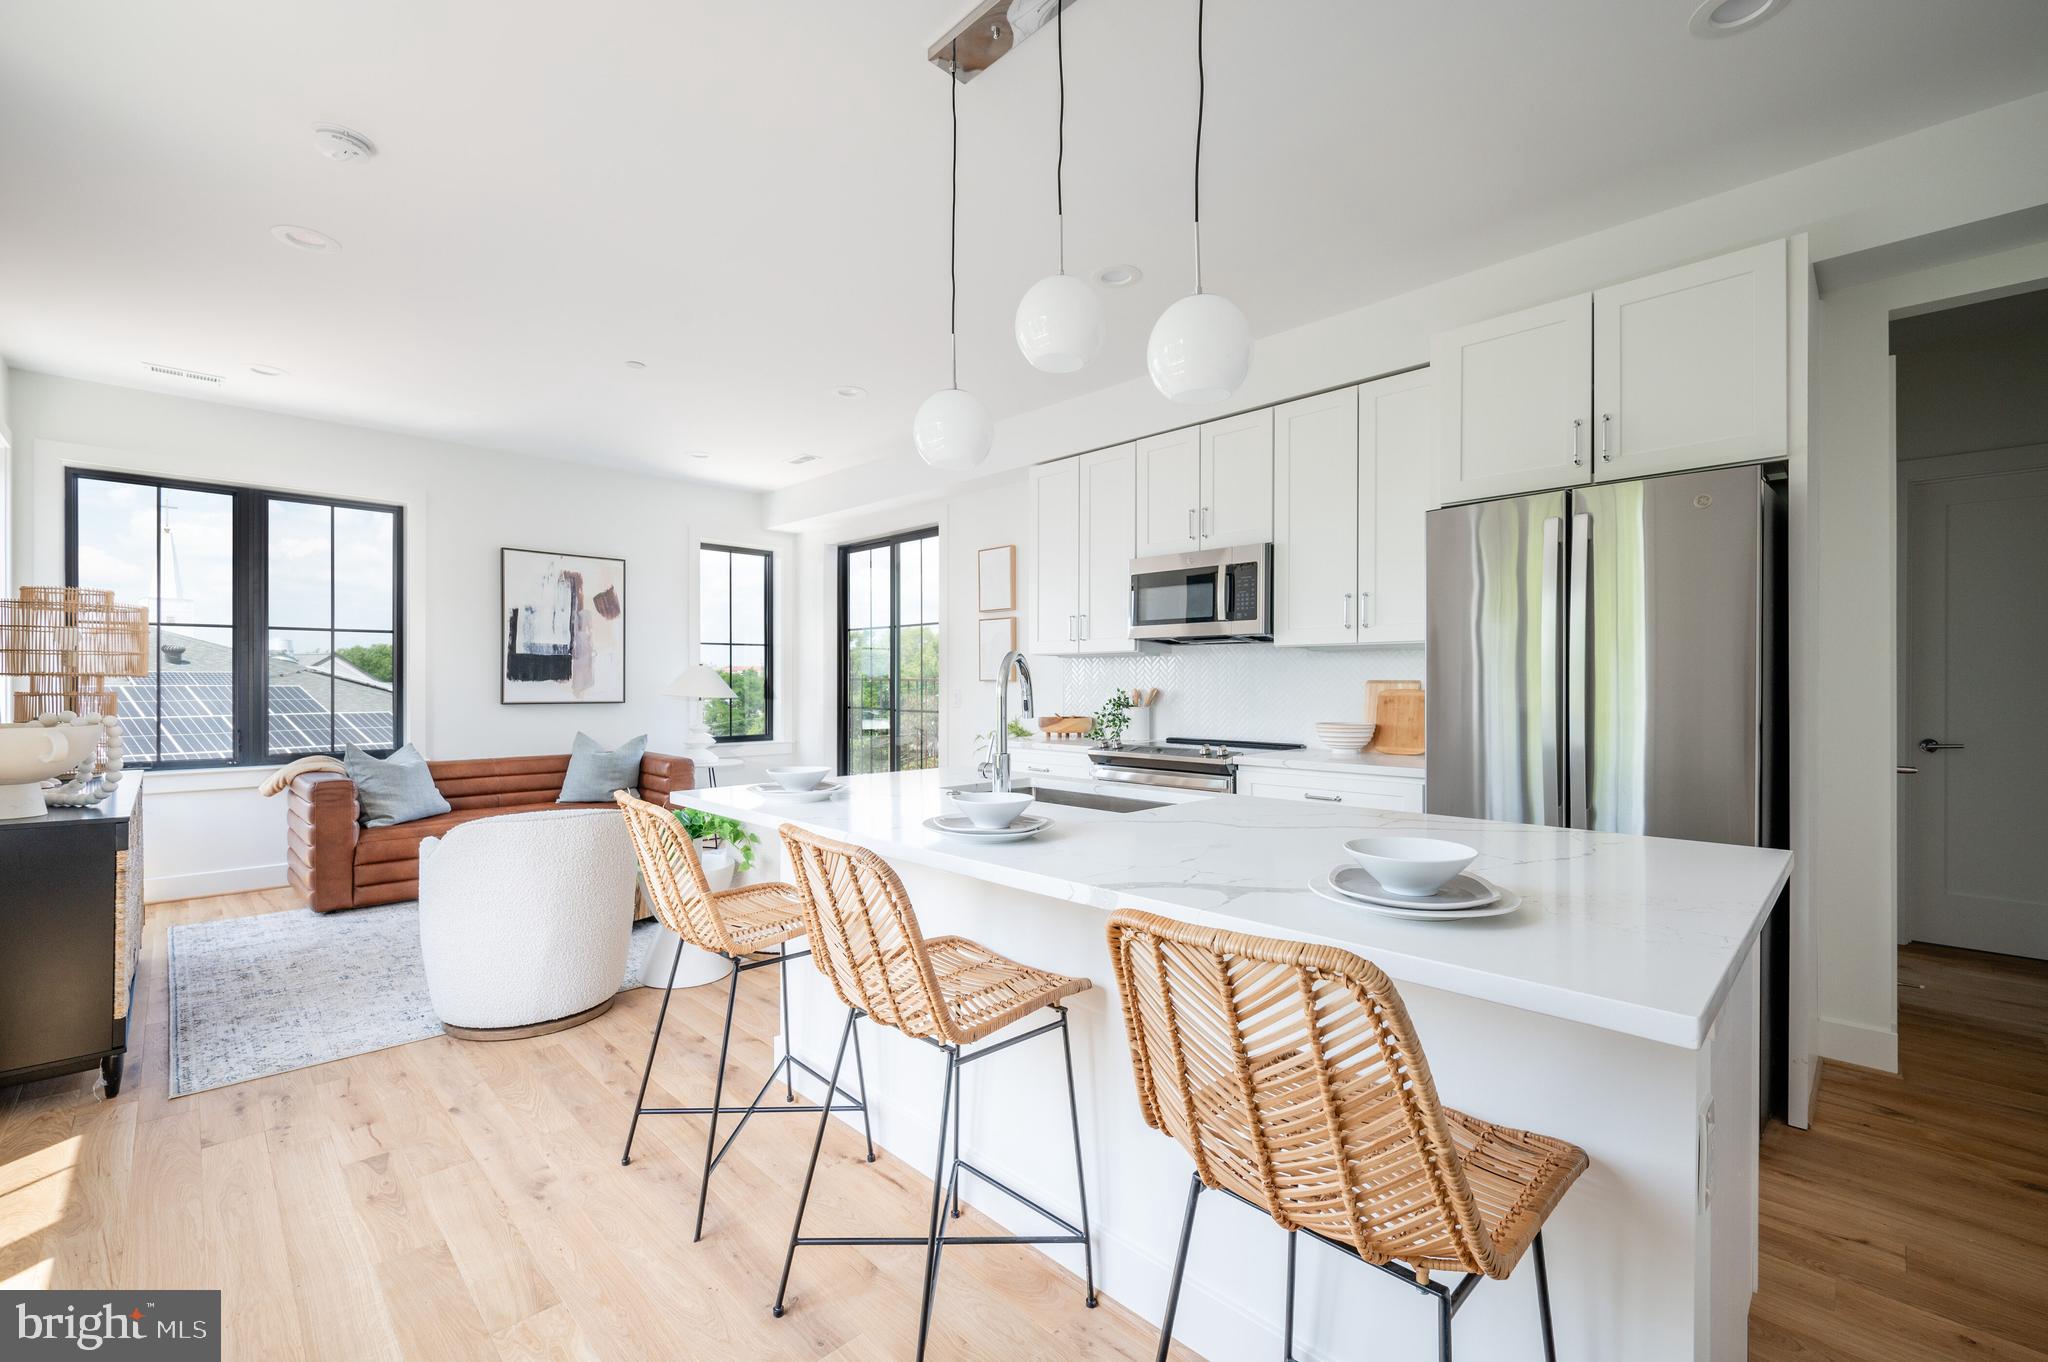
1351	481
1512	404
1208	486
1690	366
1082	525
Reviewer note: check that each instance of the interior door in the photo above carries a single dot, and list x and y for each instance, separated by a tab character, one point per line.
1977	641
1396	435
1055	557
1315	520
1689	366
1512	402
1169	491
1237	481
1108	526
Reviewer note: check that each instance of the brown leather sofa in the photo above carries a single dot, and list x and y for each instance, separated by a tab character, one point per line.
337	863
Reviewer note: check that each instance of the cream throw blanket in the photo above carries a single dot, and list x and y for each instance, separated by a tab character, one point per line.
276	781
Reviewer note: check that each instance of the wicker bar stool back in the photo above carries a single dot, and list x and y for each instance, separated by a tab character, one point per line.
1292	1075
676	884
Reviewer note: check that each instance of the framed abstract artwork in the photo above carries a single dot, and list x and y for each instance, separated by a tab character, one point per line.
996	578
997	641
561	628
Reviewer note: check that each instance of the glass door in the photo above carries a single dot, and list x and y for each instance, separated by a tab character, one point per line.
889	656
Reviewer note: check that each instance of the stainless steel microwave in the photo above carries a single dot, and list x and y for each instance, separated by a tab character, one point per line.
1210	596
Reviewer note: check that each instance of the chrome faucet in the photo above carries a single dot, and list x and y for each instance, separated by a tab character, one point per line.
997	768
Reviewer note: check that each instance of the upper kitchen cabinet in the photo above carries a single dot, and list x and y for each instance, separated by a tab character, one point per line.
1351	482
1690	366
1082	528
1512	402
1208	486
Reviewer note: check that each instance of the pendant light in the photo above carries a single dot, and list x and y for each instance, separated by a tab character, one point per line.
1059	320
952	428
1201	347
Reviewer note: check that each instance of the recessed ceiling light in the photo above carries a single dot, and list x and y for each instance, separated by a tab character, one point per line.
1120	276
346	145
850	391
266	370
636	364
804	458
1726	18
700	453
305	238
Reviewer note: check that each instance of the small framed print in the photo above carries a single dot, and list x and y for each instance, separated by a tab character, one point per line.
998	641
996	574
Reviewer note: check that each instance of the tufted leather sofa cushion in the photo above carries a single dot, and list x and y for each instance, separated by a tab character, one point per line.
337	864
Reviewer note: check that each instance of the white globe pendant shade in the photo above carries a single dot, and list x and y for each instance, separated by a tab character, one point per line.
1201	349
953	429
1060	326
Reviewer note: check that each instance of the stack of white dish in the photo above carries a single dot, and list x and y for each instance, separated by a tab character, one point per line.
1413	877
798	784
1344	737
985	815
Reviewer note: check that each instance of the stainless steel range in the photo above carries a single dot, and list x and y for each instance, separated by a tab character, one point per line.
1208	765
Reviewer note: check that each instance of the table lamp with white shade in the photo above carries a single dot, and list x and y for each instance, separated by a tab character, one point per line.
699	683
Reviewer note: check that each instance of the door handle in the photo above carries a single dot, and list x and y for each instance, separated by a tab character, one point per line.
1084	627
1909	770
1578	428
1347	610
1322	798
1205	520
1553	784
1579	714
1606	424
1363	613
1936	745
1191	522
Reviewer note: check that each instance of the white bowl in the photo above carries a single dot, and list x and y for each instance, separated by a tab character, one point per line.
32	753
798	777
1410	866
986	809
1344	737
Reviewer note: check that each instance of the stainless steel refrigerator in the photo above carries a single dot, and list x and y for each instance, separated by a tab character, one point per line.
1611	657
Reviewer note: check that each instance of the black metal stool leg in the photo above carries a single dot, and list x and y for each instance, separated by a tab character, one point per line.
732	993
653	1043
782	987
1443	1328
1543	1302
1180	1265
1080	1178
810	1171
1287	1334
860	1072
953	1196
939	1184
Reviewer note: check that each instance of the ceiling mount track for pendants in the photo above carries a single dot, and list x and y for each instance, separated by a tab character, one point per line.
988	32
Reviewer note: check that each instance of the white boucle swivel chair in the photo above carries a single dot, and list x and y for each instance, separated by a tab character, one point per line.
525	921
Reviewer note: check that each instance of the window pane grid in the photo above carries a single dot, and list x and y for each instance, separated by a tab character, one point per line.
889	677
736	596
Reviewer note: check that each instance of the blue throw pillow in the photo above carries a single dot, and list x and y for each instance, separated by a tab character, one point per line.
394	789
595	772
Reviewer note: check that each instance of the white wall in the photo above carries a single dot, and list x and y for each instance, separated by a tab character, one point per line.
210	831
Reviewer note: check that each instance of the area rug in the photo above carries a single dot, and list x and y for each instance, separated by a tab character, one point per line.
255	996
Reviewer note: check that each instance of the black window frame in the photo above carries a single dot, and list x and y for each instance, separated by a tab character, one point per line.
251	609
894	543
767	557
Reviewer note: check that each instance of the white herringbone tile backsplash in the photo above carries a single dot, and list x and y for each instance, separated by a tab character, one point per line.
1236	690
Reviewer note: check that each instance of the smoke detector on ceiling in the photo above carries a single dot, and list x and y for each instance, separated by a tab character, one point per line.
173	371
346	145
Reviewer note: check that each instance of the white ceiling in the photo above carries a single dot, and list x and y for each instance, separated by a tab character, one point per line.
751	197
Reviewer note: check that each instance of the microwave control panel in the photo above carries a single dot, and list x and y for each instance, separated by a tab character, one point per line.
1241	594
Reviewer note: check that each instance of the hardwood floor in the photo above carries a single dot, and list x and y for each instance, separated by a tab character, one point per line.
457	1200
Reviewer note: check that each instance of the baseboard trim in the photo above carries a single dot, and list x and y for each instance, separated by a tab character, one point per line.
1867	1047
199	884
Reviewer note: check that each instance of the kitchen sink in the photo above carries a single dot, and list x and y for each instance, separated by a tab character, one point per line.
1080	799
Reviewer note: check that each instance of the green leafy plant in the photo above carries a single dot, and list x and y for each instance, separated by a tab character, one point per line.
1017	730
1111	719
715	828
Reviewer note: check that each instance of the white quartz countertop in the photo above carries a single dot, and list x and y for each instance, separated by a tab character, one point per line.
1638	935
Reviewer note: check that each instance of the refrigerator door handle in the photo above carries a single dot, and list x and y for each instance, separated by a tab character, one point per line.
1578	712
1553	555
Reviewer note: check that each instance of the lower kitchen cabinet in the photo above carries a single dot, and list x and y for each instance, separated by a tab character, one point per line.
1399	793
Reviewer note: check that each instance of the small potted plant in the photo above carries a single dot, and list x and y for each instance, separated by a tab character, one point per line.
1112	719
724	845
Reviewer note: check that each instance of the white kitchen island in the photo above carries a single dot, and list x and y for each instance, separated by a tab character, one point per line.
1615	1009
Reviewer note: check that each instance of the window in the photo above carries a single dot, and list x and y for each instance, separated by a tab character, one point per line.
889	672
737	624
275	619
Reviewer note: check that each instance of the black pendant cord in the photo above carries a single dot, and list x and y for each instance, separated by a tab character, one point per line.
1201	108
1059	179
953	224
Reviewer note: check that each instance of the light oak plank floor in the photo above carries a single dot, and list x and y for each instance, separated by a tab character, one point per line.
456	1200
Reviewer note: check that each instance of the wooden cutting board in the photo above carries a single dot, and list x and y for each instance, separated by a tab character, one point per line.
1399	717
1375	689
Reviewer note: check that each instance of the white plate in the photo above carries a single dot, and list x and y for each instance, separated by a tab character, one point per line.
1508	903
768	789
1027	825
1464	890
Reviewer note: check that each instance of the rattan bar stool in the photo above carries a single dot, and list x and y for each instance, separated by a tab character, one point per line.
742	925
945	991
1291	1073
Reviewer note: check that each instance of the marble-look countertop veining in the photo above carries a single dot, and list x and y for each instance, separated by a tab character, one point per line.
1638	935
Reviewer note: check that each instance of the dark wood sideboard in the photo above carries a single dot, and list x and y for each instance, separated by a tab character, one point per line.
70	931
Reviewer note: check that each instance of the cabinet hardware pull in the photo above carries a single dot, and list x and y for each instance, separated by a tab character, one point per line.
1191	522
1606	421
1322	798
1363	613
1084	626
1042	770
1347	610
1205	520
1578	425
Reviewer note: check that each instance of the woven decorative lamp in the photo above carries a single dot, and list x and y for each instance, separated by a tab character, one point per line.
65	642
